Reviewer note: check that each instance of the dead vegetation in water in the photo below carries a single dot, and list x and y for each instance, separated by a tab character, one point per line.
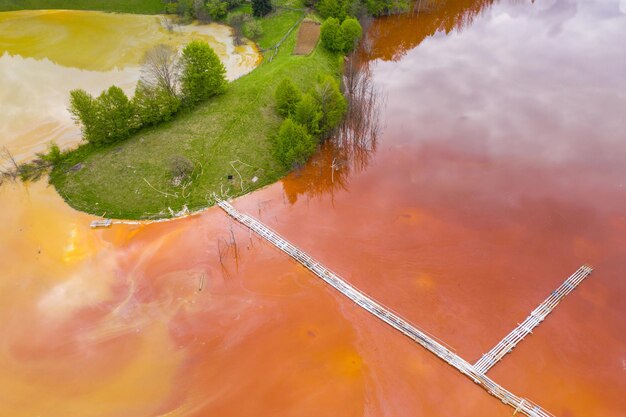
8	167
356	138
353	144
11	170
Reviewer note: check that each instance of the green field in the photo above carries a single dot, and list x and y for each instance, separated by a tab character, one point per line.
122	6
228	135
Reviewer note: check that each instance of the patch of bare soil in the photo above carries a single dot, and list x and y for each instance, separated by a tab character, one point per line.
308	35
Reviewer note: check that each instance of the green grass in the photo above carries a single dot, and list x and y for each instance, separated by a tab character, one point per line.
275	27
122	6
121	181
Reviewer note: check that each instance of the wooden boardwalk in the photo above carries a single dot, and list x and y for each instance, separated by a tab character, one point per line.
385	314
101	223
507	344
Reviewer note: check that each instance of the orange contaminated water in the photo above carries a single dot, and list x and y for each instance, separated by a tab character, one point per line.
497	172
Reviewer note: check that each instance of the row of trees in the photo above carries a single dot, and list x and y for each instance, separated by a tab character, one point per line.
208	10
340	37
168	82
309	117
341	8
202	10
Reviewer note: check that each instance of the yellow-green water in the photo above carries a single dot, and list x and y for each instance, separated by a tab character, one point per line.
45	54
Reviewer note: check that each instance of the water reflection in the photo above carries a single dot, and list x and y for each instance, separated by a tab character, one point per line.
353	145
500	170
392	37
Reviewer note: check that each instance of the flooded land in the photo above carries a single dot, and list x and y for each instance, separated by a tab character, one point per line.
495	170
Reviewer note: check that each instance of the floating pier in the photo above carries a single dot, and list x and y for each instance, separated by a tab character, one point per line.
520	405
101	223
507	344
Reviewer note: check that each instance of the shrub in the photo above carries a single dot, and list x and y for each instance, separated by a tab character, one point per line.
331	102
203	73
171	8
183	8
287	96
154	104
234	3
309	114
332	8
261	7
383	7
293	145
54	154
252	29
237	19
331	35
217	9
180	168
351	31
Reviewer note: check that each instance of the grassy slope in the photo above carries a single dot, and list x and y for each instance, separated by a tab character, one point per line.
125	6
235	126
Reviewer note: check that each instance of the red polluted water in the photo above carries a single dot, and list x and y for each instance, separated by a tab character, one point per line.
497	170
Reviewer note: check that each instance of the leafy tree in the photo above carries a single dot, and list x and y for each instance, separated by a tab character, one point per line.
115	115
234	3
154	104
105	119
309	114
332	8
217	9
83	110
261	7
252	29
203	73
183	8
287	96
351	31
332	103
385	7
171	8
331	35
293	145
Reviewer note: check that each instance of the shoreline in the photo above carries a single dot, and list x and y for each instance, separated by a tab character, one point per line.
244	155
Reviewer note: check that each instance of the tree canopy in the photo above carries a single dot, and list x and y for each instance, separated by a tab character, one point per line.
342	37
105	119
287	97
203	74
261	7
293	145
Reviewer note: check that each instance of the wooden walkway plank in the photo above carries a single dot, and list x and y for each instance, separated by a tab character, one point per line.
385	314
489	359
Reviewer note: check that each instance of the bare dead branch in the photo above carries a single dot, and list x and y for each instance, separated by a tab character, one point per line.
161	67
